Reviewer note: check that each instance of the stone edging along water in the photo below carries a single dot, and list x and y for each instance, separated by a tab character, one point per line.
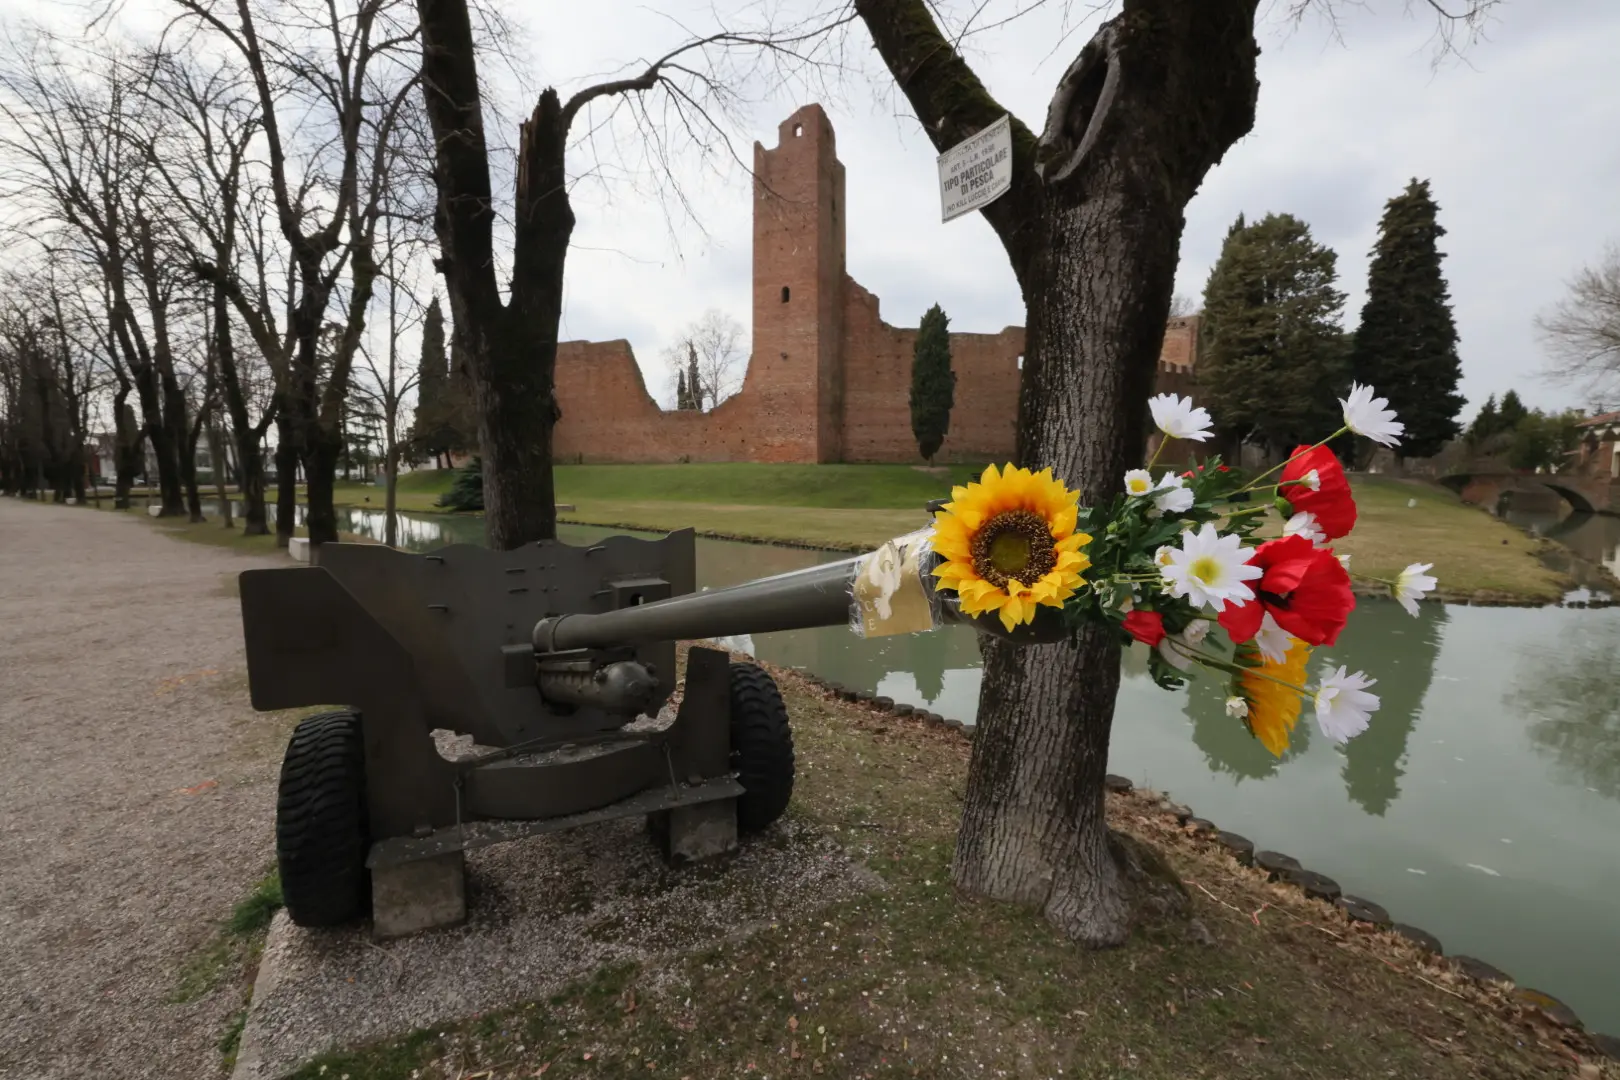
1279	868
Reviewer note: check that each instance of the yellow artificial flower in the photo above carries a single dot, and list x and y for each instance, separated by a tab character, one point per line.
1010	545
1272	691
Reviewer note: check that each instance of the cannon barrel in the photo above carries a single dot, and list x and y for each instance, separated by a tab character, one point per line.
797	600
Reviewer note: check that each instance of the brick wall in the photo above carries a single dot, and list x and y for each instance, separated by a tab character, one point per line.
828	379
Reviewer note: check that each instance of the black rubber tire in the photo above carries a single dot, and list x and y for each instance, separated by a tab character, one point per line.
321	828
761	747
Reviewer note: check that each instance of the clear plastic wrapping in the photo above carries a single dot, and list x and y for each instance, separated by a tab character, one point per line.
892	590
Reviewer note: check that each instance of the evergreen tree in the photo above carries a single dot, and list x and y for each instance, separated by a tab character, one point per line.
1485	423
432	428
467	489
933	383
1513	411
694	381
681	401
1273	357
1406	346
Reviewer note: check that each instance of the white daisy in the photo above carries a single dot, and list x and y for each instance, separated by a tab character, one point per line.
1343	706
1412	585
1237	707
1162	556
1138	482
1312	480
1172	496
1176	417
1304	524
1370	416
1272	640
1210	568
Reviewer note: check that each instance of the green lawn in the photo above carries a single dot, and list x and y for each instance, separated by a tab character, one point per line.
913	980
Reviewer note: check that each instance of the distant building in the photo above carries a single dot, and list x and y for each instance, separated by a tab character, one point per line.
828	379
1598	456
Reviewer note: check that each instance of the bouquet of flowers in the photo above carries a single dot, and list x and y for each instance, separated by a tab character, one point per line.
1170	560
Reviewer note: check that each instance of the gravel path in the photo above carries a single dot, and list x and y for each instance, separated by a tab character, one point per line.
121	687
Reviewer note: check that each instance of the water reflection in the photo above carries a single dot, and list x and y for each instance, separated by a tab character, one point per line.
1566	688
1400	652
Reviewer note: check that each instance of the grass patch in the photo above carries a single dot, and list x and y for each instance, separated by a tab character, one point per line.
233	954
237	941
913	980
1471	550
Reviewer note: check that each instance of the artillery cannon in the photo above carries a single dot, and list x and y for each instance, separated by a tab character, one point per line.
557	661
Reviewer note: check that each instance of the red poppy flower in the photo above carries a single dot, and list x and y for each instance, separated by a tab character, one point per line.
1327	495
1145	626
1305	588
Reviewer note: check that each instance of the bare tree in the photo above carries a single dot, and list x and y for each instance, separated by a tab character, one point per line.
1582	333
509	345
1181	305
713	348
392	380
1092	227
70	139
201	154
331	81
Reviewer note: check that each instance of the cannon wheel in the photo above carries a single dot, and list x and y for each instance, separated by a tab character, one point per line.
321	839
761	747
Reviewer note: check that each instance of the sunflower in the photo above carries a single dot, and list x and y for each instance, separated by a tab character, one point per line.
1270	691
1009	544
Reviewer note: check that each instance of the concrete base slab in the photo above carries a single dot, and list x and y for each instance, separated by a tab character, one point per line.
541	913
298	548
697	834
418	896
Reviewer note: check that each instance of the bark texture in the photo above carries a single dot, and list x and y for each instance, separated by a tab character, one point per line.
1092	226
510	348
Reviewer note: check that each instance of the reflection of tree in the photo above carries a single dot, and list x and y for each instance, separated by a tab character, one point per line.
1225	740
1400	652
1569	690
926	658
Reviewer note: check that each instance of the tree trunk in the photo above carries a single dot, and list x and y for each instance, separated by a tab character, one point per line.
320	468
128	449
216	451
250	473
286	479
390	498
510	350
1092	226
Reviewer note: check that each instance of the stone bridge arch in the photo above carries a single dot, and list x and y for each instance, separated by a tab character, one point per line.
1582	495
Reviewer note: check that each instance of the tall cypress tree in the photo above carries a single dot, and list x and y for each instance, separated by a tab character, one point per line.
432	385
933	383
1273	355
1406	346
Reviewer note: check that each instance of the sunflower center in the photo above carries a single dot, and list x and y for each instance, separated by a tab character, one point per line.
1015	545
1206	568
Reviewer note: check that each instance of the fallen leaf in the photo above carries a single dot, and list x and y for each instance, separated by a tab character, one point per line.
793	1023
198	789
541	1071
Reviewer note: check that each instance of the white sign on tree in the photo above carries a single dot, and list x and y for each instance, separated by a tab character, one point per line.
976	171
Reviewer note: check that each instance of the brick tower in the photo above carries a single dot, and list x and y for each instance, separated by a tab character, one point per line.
799	290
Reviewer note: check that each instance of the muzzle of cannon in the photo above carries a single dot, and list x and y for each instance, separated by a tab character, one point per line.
476	696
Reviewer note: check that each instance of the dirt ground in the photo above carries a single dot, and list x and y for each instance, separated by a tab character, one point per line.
136	791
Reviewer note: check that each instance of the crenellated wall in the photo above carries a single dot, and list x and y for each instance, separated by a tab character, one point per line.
828	379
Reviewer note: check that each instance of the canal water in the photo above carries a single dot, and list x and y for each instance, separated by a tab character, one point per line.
1483	804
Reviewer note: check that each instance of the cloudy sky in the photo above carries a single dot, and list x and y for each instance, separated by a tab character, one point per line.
1518	142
